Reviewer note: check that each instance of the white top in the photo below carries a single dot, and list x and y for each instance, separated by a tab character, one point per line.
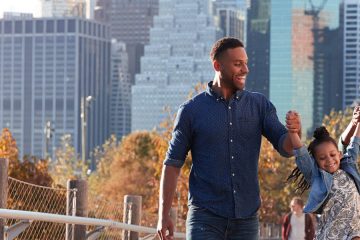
297	227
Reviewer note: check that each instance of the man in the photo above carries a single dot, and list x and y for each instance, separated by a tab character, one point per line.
222	127
297	225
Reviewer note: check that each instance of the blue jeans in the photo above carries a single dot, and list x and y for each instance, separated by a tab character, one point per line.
203	224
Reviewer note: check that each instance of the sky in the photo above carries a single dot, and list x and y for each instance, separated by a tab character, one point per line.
25	6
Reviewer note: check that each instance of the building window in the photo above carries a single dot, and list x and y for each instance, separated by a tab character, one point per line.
18	27
39	26
8	26
48	105
28	27
50	26
6	104
60	26
71	25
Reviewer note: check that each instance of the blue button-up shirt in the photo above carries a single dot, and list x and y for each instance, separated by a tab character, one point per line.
224	138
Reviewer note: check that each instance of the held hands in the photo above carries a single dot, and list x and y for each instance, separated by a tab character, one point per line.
293	123
165	228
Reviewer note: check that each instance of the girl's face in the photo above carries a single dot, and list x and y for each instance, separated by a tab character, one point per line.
328	157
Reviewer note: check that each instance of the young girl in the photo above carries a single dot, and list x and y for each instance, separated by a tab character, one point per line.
334	182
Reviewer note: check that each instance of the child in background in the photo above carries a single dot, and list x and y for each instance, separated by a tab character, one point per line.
334	182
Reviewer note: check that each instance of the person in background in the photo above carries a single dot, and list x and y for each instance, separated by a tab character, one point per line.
297	225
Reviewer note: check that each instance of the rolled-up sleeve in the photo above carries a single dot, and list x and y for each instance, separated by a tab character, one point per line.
274	130
179	144
352	151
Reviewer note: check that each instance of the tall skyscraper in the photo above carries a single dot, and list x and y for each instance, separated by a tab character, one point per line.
120	103
258	46
63	8
48	67
304	54
90	8
230	17
176	58
130	22
351	57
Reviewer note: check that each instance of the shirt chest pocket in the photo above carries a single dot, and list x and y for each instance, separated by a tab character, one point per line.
248	128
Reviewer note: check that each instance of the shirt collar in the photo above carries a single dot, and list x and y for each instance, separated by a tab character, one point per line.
218	97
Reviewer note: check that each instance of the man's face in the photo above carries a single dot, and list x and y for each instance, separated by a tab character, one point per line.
295	207
233	68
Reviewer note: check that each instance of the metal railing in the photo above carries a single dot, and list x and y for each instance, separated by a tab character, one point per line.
56	218
29	197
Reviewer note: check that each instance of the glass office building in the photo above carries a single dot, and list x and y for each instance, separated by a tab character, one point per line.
47	65
305	48
351	57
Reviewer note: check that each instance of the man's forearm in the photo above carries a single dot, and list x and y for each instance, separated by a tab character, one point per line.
168	184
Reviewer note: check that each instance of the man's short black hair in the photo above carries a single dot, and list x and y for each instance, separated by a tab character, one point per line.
222	45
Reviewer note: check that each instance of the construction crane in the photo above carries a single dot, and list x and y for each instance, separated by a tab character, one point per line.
317	58
314	11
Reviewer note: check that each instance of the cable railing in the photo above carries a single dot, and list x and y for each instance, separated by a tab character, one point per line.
39	212
56	218
102	209
30	197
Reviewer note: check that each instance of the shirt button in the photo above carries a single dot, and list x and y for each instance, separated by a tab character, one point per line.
229	107
231	123
234	191
233	174
230	140
232	157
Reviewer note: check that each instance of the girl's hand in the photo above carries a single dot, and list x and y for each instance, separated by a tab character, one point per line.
293	122
356	116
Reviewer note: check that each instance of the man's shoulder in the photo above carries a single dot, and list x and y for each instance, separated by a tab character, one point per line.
258	98
255	95
195	100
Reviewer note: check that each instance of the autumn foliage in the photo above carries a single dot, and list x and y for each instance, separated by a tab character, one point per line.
133	166
30	169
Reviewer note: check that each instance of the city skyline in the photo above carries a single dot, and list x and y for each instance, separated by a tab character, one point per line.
23	6
289	63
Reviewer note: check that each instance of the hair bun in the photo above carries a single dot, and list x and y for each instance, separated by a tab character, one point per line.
321	133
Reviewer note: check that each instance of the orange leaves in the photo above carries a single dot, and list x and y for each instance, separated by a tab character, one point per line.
8	148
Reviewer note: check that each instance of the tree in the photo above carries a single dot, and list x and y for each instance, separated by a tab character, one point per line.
67	164
275	191
104	156
30	169
132	168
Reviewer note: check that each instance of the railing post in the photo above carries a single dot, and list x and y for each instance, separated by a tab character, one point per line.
77	204
4	164
132	215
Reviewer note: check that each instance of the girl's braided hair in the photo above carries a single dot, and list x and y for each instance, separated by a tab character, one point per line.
320	135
